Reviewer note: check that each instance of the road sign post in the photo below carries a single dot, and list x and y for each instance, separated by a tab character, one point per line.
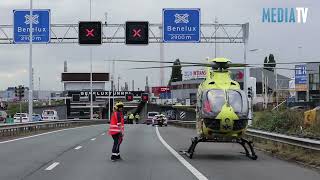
90	33
40	21
181	25
31	26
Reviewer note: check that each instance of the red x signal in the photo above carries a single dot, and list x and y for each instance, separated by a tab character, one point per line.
90	32
136	32
129	97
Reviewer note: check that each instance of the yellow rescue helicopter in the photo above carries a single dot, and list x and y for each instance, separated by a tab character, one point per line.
222	107
221	110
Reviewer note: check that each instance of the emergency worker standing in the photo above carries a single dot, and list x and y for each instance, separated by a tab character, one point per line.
137	117
116	130
131	117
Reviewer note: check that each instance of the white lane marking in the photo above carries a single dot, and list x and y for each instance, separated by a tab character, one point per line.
78	147
12	140
93	139
52	166
103	134
192	169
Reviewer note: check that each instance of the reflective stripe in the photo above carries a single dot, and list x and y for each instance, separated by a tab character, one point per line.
115	130
115	154
114	126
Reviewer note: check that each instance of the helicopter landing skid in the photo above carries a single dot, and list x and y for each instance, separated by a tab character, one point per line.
252	155
243	142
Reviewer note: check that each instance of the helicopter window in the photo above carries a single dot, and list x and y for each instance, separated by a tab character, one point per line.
235	101
215	100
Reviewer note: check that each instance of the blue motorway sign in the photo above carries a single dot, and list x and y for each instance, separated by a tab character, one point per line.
40	26
166	95
300	74
181	25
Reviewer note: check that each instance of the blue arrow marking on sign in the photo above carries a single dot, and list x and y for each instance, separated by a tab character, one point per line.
40	26
181	25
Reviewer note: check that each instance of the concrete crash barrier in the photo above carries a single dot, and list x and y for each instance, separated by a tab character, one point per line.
7	130
186	124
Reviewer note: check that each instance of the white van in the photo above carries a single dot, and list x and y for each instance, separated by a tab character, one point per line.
24	117
150	117
50	115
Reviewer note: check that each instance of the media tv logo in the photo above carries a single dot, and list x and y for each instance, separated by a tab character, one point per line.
285	15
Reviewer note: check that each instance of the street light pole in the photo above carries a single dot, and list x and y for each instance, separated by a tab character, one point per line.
30	66
91	95
245	86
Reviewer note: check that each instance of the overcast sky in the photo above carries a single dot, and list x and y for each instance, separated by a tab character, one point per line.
280	39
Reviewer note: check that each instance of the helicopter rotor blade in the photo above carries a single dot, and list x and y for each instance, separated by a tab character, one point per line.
158	67
154	61
277	68
298	62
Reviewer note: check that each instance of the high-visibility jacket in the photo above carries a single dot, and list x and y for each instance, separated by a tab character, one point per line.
116	123
137	116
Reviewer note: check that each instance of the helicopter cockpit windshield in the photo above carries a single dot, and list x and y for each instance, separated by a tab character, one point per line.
214	99
238	101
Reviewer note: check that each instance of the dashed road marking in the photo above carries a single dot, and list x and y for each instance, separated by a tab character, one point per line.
192	169
103	134
78	147
52	166
93	139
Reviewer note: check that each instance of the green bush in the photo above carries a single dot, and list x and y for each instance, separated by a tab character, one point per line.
279	121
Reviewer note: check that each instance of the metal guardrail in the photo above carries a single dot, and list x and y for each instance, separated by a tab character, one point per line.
291	140
22	128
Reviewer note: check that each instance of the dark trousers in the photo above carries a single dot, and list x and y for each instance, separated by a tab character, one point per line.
117	139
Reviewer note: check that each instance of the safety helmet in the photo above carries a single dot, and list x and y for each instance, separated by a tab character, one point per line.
119	105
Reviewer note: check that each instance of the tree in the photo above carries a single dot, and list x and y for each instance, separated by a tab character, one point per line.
269	67
176	74
272	60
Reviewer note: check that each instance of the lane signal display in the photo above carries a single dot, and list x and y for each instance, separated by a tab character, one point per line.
129	97
137	32
90	33
144	97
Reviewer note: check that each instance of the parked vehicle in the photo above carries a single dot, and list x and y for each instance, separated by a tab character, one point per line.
3	116
24	117
36	117
50	115
150	117
159	120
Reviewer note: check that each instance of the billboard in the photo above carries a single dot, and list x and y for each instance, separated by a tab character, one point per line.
158	90
101	77
300	74
194	74
300	77
236	74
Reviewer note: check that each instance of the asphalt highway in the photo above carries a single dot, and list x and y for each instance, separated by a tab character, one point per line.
148	153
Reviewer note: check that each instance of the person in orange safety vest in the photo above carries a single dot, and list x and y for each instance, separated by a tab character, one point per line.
116	130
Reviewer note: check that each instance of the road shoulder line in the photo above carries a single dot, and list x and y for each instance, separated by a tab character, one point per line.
192	169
